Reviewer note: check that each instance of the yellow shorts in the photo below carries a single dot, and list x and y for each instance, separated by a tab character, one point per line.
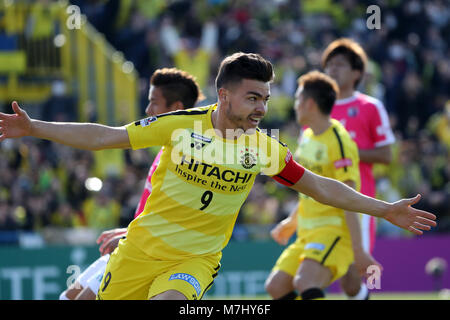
328	246
132	275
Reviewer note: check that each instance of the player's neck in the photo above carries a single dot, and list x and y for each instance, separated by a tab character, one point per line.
223	127
320	125
345	93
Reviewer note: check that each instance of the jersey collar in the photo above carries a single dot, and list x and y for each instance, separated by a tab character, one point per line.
347	100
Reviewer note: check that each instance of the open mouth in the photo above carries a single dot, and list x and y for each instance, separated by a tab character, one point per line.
254	119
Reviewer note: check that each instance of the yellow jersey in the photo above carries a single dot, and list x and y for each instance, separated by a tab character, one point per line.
200	184
332	154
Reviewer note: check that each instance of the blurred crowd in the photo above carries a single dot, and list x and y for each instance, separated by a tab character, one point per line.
43	184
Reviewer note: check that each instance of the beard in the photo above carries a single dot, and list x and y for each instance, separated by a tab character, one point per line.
238	121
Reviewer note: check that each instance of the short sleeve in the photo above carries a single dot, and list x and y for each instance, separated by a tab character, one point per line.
278	155
380	126
151	131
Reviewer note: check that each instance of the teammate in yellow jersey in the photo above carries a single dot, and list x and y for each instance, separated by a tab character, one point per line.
210	159
323	251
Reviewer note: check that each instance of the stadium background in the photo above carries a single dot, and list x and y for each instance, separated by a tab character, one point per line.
62	68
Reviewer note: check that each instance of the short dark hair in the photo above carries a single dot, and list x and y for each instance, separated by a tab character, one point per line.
177	85
351	50
239	66
321	88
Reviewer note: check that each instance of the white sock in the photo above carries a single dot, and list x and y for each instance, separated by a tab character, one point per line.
362	293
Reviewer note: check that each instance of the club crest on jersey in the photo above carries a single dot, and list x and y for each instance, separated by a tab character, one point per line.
145	122
248	160
352	112
319	154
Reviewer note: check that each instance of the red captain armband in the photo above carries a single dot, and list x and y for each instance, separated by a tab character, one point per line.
291	173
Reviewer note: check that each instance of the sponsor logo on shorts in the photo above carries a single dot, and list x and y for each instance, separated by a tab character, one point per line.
189	279
315	246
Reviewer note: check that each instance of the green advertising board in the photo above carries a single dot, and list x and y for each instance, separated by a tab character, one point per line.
43	273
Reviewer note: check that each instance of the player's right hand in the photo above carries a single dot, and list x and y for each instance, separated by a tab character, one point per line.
284	231
15	125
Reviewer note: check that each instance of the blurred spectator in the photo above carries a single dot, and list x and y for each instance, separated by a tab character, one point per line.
439	125
191	53
7	220
66	217
101	211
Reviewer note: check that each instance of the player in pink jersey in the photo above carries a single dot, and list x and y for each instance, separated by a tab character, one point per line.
367	121
170	90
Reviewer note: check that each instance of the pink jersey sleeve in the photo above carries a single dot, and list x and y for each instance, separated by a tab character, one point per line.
148	186
380	127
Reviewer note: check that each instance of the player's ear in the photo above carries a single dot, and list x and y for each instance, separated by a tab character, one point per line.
310	104
223	95
177	105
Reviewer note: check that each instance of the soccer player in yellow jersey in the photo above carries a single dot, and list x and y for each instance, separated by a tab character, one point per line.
210	159
323	250
170	89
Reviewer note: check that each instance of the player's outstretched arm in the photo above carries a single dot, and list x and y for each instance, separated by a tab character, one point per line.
89	136
337	194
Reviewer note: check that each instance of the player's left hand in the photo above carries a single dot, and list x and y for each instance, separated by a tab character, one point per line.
403	215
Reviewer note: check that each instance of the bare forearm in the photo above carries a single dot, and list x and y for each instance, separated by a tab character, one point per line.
88	136
337	194
377	155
